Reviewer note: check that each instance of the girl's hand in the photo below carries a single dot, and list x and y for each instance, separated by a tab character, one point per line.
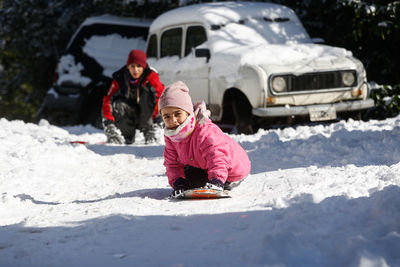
177	193
180	185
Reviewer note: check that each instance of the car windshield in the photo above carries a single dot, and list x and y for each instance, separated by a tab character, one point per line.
111	51
256	31
103	48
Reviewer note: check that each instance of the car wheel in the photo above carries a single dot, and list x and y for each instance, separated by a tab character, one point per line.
355	115
90	112
237	112
243	117
57	117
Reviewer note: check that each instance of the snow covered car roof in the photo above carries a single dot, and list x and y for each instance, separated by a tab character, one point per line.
240	24
221	13
117	20
108	19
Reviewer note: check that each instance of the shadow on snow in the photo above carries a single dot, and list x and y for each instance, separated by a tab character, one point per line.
149	151
156	193
335	232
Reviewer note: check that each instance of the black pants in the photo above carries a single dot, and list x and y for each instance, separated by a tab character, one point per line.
195	176
128	118
198	178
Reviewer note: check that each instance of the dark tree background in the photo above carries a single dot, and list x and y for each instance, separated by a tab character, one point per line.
33	33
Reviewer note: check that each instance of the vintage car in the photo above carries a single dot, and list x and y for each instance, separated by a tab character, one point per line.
253	63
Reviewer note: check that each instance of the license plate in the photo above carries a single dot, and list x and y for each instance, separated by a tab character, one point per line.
322	113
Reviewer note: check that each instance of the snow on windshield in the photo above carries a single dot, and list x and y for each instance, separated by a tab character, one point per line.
111	51
255	31
280	32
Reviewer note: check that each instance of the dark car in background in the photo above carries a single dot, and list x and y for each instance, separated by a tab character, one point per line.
98	48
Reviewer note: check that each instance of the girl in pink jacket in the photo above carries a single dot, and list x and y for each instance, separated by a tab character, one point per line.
197	153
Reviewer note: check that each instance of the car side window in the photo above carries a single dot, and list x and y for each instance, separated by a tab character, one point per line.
171	41
195	36
152	46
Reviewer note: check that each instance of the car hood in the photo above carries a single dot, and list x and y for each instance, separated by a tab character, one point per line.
279	58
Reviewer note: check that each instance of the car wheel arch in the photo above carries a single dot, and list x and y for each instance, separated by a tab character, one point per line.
233	100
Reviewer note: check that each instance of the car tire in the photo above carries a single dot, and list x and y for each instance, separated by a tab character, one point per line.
243	117
91	109
237	113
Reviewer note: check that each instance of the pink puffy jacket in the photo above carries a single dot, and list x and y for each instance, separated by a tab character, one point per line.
208	148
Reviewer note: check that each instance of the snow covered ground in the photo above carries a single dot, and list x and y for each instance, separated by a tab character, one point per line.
322	195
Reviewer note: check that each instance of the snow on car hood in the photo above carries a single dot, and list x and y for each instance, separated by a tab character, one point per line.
274	46
278	58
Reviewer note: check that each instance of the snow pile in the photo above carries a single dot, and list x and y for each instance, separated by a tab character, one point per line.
69	71
317	195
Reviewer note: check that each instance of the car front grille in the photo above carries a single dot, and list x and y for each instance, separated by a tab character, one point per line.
315	81
68	89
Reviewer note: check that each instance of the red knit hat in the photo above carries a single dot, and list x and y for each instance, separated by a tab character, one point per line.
137	57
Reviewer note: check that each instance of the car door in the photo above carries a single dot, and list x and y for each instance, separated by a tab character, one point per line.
195	72
170	54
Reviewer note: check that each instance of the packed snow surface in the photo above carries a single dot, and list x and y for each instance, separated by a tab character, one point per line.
318	195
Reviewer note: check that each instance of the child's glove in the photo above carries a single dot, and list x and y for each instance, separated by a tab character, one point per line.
112	132
215	184
180	185
149	134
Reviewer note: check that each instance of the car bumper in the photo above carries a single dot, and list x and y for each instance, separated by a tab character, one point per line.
304	110
63	102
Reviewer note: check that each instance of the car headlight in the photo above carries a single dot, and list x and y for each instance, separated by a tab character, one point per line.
348	78
278	84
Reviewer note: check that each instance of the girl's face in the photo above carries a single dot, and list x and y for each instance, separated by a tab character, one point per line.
135	70
173	117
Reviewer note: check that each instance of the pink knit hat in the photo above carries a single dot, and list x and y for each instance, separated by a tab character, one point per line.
137	57
176	95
